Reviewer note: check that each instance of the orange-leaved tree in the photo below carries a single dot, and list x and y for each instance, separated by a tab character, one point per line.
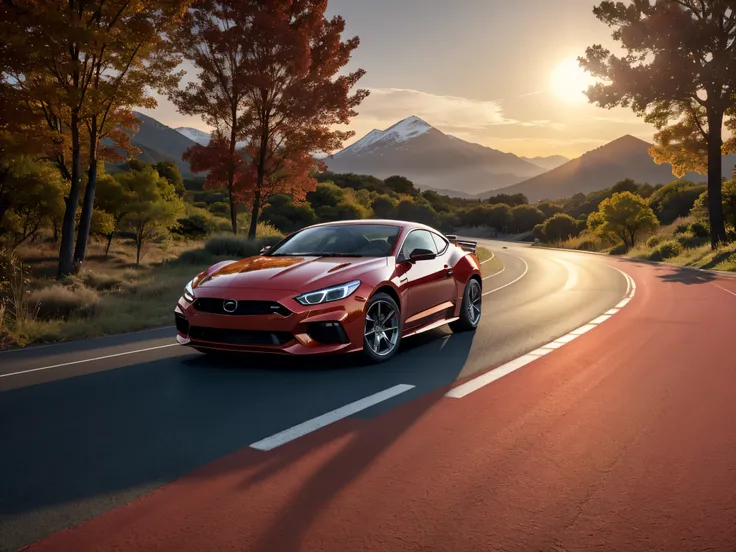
131	56
276	68
75	60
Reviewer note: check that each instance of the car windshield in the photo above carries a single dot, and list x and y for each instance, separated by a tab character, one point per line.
341	240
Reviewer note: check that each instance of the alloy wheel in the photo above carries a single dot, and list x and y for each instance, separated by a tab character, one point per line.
381	328
475	301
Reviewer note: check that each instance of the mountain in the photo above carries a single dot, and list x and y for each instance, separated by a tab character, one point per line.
199	136
625	157
547	163
159	142
431	159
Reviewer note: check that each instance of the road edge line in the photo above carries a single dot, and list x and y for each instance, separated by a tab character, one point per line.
486	378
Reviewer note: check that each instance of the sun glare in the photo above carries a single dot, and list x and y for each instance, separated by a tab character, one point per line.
568	81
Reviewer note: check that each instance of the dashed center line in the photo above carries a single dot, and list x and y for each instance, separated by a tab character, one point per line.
283	437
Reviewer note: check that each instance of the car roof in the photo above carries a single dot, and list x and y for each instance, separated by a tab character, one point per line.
407	225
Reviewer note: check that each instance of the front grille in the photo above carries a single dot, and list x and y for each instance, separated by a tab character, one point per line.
182	324
212	305
239	337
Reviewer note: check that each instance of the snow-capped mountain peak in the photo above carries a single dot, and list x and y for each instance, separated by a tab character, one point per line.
403	131
199	136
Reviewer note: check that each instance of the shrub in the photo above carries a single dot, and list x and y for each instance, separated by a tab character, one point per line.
667	250
587	245
682	228
101	282
237	246
689	240
620	249
60	301
197	257
653	241
699	229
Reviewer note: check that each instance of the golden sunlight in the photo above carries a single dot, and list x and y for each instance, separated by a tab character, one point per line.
568	81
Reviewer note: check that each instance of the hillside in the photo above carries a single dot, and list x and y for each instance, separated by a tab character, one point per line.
431	159
625	157
159	142
194	134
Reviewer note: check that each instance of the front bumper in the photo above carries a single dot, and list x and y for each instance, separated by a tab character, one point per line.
335	327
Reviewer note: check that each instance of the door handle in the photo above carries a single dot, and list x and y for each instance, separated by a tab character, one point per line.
449	272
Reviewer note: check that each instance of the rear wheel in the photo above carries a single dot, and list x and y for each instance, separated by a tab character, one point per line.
382	330
470	311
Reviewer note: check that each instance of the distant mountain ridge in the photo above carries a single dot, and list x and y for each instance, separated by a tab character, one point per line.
625	157
194	134
431	159
548	163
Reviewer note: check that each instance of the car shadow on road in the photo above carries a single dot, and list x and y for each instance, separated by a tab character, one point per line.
93	438
362	443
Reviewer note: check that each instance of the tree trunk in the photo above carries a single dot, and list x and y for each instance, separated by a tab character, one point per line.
231	169
138	246
109	242
715	186
254	213
66	250
85	221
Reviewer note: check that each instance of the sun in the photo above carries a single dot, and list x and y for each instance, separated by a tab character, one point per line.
568	81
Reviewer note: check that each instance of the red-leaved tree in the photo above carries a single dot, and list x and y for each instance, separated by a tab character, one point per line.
270	79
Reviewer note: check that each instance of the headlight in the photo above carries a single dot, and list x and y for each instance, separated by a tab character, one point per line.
189	290
334	293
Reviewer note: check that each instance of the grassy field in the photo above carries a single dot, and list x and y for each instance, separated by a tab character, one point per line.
111	295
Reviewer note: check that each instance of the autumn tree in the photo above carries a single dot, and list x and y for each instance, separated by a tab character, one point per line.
678	73
270	78
77	61
625	215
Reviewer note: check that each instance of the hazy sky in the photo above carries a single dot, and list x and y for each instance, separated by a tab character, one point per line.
497	72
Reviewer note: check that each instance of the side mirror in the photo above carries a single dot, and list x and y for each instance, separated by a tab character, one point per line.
265	249
422	255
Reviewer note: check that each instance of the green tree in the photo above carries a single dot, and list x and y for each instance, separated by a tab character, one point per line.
526	217
171	172
560	227
500	217
512	200
417	211
549	209
678	71
384	206
115	199
284	214
626	215
700	208
401	185
675	199
154	209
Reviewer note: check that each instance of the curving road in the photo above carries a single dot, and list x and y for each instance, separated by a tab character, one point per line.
615	436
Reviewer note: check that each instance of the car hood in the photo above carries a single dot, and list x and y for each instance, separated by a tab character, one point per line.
291	273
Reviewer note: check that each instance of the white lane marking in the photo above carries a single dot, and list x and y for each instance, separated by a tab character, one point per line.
602	318
489	377
466	388
526	269
572	273
88	360
319	422
495	273
493	255
724	289
585	329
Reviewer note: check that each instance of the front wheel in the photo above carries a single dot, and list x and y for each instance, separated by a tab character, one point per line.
382	333
470	310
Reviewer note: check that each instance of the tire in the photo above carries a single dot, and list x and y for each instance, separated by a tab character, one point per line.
471	308
384	346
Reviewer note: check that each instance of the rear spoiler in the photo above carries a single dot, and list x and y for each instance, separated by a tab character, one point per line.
465	245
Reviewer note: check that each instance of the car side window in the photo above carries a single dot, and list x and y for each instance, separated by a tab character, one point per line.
417	239
441	243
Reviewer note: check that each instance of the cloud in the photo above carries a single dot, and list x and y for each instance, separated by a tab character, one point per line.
385	106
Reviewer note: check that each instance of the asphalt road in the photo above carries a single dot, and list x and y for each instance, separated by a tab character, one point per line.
620	437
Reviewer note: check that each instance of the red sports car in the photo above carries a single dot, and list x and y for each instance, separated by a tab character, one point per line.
338	287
